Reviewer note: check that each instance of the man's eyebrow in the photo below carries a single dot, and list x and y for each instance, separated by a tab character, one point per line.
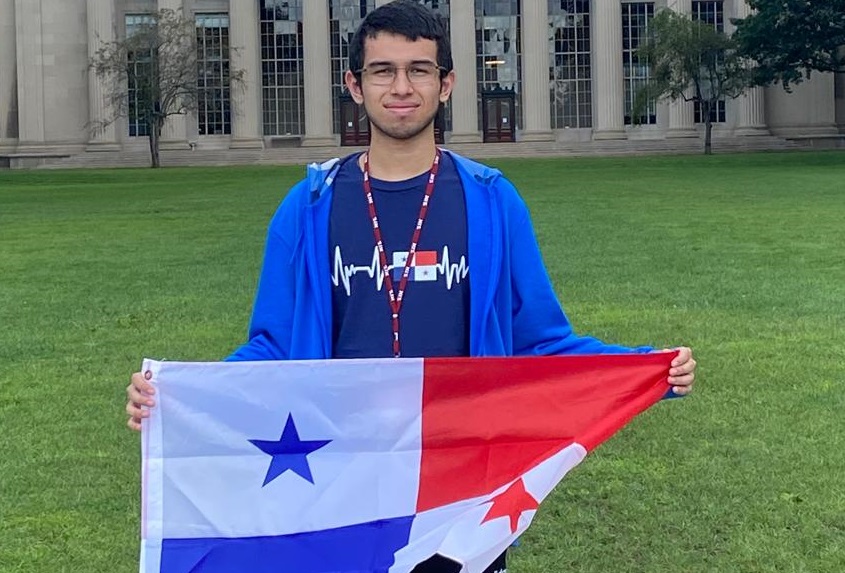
390	63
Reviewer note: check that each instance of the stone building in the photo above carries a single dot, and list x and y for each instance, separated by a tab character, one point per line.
559	72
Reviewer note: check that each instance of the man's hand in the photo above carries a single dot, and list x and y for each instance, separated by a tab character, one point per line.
682	372
139	394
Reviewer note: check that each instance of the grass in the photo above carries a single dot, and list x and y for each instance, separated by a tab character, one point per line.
741	257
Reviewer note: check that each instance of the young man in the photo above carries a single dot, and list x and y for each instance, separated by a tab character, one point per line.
405	249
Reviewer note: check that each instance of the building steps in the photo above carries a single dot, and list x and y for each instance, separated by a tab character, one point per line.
303	155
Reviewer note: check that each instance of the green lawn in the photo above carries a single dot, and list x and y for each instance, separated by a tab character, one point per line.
741	257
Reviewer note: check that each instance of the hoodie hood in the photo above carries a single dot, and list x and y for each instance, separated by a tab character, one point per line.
320	176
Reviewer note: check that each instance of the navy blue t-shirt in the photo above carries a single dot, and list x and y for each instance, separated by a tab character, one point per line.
434	318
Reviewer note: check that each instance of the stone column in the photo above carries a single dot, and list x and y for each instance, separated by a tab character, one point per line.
383	2
751	110
610	92
535	83
245	55
174	134
839	96
30	65
808	112
100	15
8	75
465	93
681	112
318	81
751	118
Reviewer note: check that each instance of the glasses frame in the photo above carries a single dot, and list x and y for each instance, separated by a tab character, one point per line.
441	72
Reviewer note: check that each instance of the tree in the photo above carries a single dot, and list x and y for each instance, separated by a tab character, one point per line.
789	39
152	73
693	61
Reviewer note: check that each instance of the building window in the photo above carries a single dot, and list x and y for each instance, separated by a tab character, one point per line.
344	18
713	13
214	113
139	64
636	17
498	50
570	74
440	7
282	67
710	11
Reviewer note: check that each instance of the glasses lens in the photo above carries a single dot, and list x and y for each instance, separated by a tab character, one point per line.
422	73
381	75
419	73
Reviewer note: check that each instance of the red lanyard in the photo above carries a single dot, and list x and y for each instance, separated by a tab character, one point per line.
395	298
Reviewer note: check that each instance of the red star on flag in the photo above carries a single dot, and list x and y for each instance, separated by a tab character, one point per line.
512	503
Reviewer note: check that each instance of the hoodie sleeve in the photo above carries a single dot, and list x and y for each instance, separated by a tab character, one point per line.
272	315
540	325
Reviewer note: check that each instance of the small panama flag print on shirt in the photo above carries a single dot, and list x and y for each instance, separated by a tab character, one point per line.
423	267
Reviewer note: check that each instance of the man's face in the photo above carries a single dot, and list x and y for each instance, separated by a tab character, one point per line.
406	106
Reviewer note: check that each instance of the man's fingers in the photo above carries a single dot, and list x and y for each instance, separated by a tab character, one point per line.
136	413
139	398
682	371
683	380
687	367
140	390
136	410
141	381
139	394
684	355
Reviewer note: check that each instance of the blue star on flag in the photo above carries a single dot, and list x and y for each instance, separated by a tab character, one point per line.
289	453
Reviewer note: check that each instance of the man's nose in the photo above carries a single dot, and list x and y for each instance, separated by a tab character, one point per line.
401	84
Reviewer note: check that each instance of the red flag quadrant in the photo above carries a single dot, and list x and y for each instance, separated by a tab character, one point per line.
487	421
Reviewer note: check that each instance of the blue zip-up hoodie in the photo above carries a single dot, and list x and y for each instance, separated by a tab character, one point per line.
513	307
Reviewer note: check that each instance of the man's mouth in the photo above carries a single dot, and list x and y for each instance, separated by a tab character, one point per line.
402	109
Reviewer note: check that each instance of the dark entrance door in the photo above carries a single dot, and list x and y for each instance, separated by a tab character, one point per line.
354	125
439	125
498	111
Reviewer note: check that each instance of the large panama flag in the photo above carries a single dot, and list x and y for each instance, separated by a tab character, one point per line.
369	465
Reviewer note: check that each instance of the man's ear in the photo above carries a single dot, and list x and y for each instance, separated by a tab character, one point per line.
354	87
447	84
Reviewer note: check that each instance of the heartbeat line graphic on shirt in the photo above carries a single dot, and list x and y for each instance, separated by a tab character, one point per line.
424	268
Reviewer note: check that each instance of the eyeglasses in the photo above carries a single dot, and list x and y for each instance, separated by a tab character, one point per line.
419	73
